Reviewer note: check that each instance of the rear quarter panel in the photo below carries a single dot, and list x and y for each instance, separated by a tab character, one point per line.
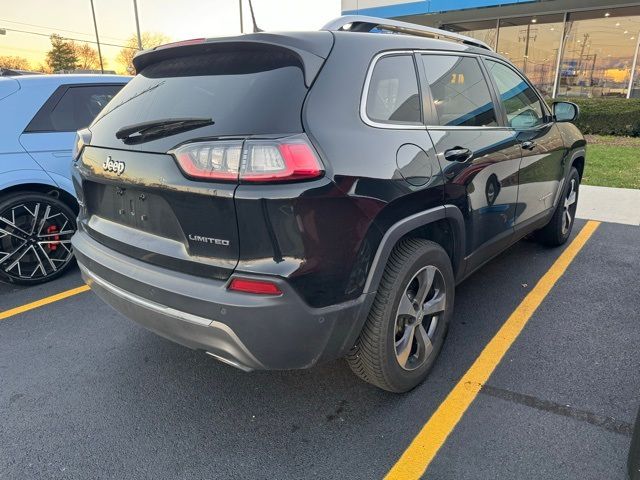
361	161
16	165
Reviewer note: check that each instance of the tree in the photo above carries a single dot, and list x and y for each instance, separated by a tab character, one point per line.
87	56
149	40
44	68
62	55
18	63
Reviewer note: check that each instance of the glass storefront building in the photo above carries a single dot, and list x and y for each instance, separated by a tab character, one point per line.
567	48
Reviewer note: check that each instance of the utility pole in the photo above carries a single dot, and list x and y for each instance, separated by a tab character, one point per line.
135	11
95	26
526	35
241	27
634	66
526	49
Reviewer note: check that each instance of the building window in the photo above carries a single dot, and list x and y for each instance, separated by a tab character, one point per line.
597	57
486	31
598	53
532	43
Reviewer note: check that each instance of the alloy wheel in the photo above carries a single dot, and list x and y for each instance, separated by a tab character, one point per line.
421	307
35	240
569	209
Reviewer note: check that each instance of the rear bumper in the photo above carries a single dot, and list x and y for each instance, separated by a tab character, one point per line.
246	331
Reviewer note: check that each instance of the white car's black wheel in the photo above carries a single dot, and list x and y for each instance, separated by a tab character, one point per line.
35	237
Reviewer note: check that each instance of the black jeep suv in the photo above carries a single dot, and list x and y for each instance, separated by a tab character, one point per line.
280	200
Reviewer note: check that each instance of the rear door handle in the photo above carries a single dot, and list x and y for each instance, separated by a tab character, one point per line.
528	145
458	154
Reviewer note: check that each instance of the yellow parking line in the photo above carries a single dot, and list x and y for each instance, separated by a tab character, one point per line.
417	457
43	301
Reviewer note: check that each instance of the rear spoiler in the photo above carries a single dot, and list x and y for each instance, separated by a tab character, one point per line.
312	48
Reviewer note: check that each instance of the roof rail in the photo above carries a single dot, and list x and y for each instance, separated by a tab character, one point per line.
362	23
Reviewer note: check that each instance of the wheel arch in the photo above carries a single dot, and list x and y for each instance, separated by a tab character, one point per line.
575	158
443	225
44	188
578	163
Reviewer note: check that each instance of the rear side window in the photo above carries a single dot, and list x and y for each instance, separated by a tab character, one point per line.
523	107
72	108
393	96
243	91
459	90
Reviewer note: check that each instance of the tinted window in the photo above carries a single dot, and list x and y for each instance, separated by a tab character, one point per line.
393	91
244	92
459	90
521	103
75	109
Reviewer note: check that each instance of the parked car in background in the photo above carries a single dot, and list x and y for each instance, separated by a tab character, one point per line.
280	200
40	115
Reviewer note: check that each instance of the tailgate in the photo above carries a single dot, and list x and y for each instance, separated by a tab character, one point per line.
148	210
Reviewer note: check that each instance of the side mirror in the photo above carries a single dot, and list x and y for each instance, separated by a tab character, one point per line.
566	111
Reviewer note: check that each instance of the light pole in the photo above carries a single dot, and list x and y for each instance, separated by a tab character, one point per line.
241	27
135	11
95	26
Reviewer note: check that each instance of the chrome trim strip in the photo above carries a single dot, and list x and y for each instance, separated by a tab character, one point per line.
394	126
148	304
457	127
168	311
365	94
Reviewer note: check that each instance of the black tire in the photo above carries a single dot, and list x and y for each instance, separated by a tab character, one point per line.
375	357
557	232
48	251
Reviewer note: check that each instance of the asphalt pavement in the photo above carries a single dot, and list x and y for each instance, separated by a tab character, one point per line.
88	394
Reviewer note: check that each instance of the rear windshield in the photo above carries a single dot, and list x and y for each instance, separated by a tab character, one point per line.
243	92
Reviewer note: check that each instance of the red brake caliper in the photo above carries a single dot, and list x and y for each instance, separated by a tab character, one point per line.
53	246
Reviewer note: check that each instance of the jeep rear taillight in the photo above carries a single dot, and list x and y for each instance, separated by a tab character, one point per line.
285	159
210	160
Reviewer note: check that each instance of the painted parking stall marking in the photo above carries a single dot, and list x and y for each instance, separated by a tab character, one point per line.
416	458
43	301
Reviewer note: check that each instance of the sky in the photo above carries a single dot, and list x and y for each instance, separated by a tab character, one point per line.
29	23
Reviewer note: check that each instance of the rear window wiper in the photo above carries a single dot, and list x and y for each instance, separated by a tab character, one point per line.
145	131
